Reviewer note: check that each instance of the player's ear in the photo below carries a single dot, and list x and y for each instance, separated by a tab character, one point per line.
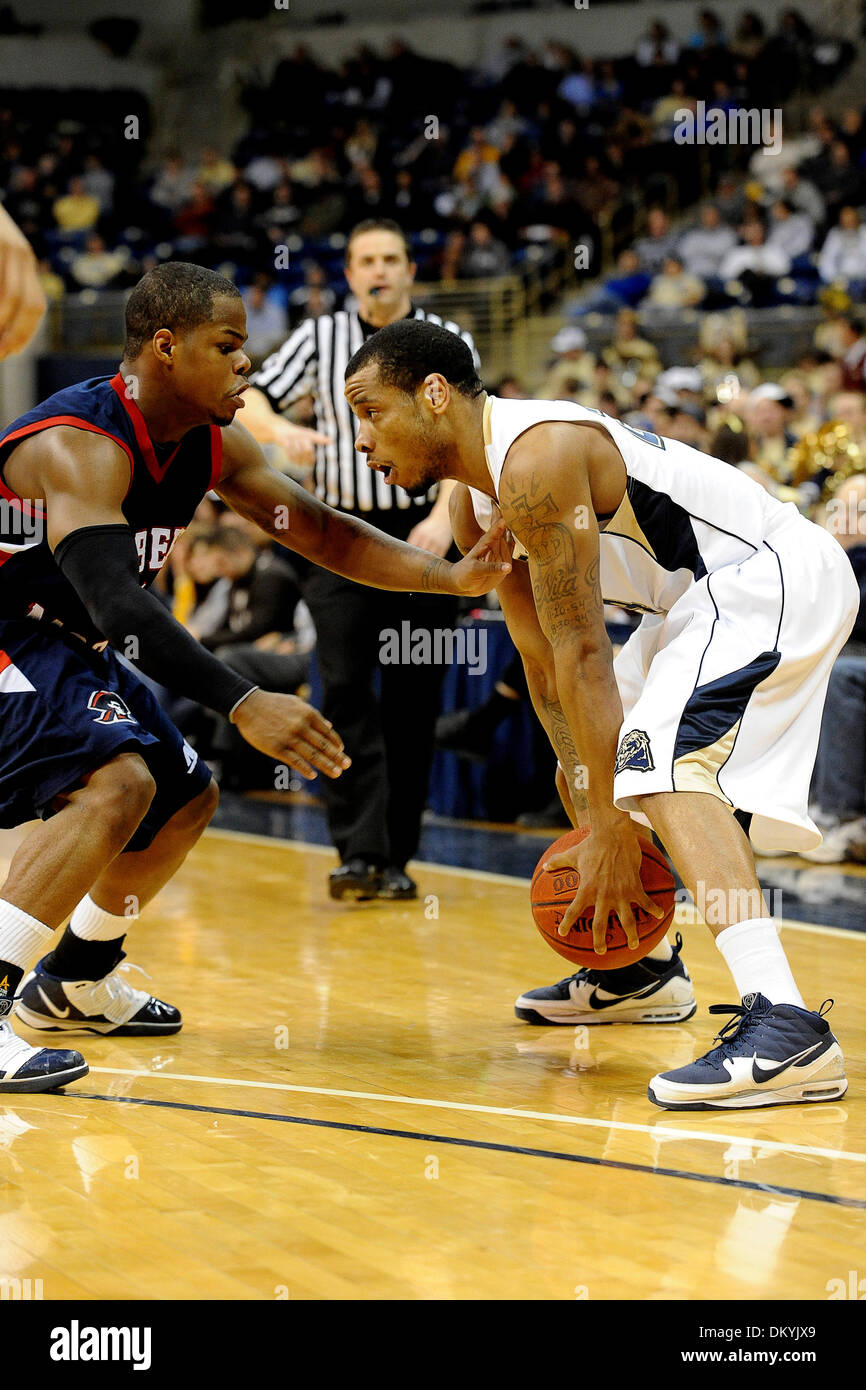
163	343
435	390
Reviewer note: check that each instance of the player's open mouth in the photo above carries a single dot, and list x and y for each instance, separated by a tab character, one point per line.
236	395
386	469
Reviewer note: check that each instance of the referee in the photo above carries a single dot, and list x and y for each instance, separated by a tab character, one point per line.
375	809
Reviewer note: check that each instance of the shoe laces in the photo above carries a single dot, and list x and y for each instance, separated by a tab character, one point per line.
735	1031
118	988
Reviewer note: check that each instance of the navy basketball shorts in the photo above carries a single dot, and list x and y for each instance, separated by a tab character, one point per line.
66	710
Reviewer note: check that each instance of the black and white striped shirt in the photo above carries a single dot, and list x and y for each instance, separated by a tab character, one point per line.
313	362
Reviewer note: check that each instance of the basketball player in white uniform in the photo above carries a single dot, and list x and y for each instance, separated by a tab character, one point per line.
704	728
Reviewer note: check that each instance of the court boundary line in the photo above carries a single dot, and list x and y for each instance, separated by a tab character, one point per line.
770	1189
506	1112
273	841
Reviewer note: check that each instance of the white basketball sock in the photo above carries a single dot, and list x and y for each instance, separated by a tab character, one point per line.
662	950
21	936
92	923
756	959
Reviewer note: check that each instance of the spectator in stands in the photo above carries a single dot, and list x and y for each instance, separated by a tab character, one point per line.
484	257
577	88
852	132
267	320
628	349
703	249
730	199
769	411
850	408
709	34
233	223
97	268
479	151
99	183
657	48
755	265
172	184
594	190
839	779
52	285
843	255
674	288
791	231
686	422
853	362
215	172
803	196
782	151
76	211
281	215
626	288
193	220
804	417
842	182
510	388
573	369
660	242
315	297
749	37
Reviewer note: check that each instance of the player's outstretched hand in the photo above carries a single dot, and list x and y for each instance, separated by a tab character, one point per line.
292	732
22	298
299	442
485	565
608	863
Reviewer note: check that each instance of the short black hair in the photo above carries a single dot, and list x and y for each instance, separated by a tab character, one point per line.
408	350
177	295
379	224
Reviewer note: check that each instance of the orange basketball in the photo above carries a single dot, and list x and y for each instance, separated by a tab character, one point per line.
552	890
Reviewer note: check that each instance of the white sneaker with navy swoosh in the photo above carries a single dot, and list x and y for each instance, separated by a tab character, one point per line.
767	1054
651	991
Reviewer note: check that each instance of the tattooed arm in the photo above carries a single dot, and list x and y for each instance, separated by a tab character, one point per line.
546	502
536	653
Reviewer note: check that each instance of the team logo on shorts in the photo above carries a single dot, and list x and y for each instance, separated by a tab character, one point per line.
111	709
634	752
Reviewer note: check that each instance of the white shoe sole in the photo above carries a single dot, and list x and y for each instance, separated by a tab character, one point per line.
30	1085
538	1011
827	1082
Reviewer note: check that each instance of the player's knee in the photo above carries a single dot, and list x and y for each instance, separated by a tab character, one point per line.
124	789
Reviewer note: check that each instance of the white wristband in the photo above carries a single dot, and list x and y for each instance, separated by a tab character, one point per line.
231	714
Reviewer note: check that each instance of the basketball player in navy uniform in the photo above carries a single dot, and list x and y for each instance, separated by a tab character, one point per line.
706	725
96	485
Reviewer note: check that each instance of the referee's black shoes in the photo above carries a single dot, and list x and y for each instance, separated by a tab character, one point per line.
355	881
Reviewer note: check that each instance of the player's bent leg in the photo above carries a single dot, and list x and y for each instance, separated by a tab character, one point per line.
650	991
774	1050
83	985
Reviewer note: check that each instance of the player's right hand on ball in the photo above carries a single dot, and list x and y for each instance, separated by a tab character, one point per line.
608	863
290	730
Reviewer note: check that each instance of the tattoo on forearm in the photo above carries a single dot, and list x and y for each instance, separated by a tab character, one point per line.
556	724
433	576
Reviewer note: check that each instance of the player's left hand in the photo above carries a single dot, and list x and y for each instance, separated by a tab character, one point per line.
433	534
485	565
608	863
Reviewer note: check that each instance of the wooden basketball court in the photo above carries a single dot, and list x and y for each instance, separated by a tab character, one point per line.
353	1111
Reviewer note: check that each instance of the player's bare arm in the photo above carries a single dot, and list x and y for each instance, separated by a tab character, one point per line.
518	605
22	298
341	543
83	477
547	502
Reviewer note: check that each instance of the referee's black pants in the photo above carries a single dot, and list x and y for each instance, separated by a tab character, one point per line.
374	809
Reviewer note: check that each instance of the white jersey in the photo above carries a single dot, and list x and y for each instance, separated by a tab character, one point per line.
746	605
684	514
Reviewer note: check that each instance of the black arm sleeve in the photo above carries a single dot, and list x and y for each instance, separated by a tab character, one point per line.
101	564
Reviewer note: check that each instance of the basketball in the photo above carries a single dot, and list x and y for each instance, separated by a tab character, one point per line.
552	890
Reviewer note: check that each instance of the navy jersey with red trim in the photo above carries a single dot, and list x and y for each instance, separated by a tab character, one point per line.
160	502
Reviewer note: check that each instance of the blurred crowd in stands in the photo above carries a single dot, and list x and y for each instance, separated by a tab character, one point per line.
535	148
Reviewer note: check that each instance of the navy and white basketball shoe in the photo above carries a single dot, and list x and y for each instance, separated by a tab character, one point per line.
767	1054
25	1068
651	991
109	1005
